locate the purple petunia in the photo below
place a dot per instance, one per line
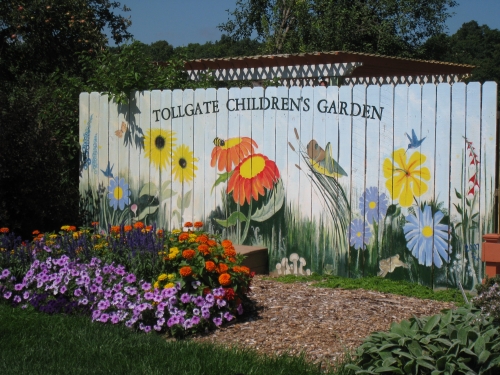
(217, 321)
(146, 286)
(104, 318)
(130, 278)
(185, 298)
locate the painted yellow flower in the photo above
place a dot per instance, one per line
(158, 147)
(405, 177)
(183, 166)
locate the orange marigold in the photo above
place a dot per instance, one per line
(188, 224)
(149, 228)
(237, 269)
(115, 229)
(210, 266)
(245, 269)
(222, 268)
(36, 232)
(4, 230)
(229, 251)
(159, 233)
(72, 228)
(226, 243)
(188, 254)
(204, 249)
(95, 223)
(185, 271)
(232, 260)
(211, 243)
(198, 224)
(183, 236)
(202, 239)
(225, 279)
(127, 228)
(139, 225)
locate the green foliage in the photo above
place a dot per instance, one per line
(377, 26)
(130, 68)
(460, 341)
(471, 44)
(379, 284)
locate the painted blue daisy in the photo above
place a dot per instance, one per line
(373, 205)
(426, 238)
(359, 233)
(119, 193)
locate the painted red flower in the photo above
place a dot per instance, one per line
(249, 179)
(229, 153)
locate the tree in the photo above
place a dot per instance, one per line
(471, 44)
(40, 80)
(392, 27)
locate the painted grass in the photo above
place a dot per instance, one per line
(379, 284)
(36, 343)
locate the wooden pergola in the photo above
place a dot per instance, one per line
(337, 67)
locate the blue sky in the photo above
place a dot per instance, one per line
(181, 22)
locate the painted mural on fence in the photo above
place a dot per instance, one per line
(395, 181)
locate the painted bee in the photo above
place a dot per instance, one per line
(219, 142)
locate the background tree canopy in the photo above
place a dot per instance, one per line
(52, 50)
(389, 27)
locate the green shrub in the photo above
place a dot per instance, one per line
(461, 341)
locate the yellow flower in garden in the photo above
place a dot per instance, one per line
(405, 177)
(176, 231)
(158, 147)
(52, 236)
(169, 285)
(156, 285)
(171, 276)
(162, 277)
(183, 166)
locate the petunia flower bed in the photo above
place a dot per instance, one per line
(179, 282)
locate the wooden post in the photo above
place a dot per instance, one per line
(491, 254)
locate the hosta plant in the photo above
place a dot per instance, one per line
(461, 341)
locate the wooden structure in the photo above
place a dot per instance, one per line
(337, 67)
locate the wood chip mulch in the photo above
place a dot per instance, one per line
(321, 322)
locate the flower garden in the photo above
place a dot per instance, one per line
(178, 282)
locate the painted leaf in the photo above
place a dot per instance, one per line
(223, 177)
(177, 215)
(167, 193)
(273, 204)
(147, 211)
(459, 196)
(165, 190)
(148, 189)
(187, 198)
(232, 219)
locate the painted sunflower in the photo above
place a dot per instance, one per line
(229, 153)
(183, 165)
(249, 179)
(158, 147)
